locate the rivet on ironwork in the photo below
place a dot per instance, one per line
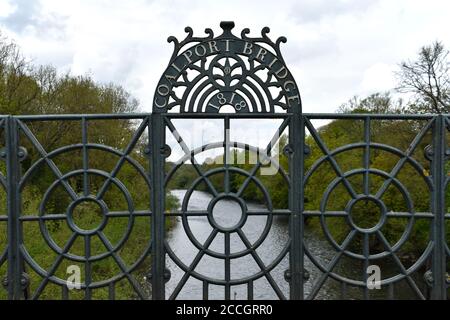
(428, 152)
(306, 274)
(3, 154)
(24, 280)
(447, 152)
(5, 282)
(288, 277)
(306, 150)
(167, 275)
(147, 150)
(22, 153)
(287, 150)
(166, 151)
(428, 277)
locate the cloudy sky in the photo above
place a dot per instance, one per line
(335, 49)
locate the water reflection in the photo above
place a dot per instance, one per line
(270, 252)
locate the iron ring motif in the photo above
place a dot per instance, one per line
(219, 255)
(111, 249)
(341, 249)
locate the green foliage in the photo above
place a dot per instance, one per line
(365, 214)
(29, 89)
(399, 134)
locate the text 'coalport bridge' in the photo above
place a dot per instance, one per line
(131, 253)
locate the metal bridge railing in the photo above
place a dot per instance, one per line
(57, 169)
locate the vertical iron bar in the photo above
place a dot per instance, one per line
(296, 140)
(391, 293)
(250, 290)
(87, 267)
(227, 266)
(84, 138)
(343, 291)
(226, 154)
(438, 206)
(13, 203)
(156, 139)
(65, 292)
(86, 192)
(205, 290)
(366, 155)
(366, 253)
(112, 291)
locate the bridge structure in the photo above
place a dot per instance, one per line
(225, 78)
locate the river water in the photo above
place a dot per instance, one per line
(268, 252)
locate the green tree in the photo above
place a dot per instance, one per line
(27, 89)
(427, 77)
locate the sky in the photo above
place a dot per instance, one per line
(335, 49)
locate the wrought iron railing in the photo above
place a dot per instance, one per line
(85, 210)
(49, 184)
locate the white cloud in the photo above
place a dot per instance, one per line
(335, 49)
(6, 8)
(332, 49)
(378, 77)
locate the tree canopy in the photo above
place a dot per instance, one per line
(428, 78)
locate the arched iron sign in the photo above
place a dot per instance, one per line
(247, 77)
(226, 70)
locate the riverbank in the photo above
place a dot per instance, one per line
(275, 242)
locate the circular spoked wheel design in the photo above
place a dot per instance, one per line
(360, 227)
(87, 217)
(361, 199)
(374, 228)
(220, 227)
(97, 230)
(97, 208)
(218, 221)
(234, 224)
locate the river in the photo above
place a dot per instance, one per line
(269, 250)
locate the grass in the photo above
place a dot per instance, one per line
(133, 246)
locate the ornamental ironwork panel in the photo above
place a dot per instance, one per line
(235, 248)
(363, 182)
(87, 221)
(247, 73)
(246, 76)
(91, 214)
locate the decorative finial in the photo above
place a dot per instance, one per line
(227, 26)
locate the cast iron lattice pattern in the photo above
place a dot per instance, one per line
(75, 189)
(368, 194)
(224, 78)
(226, 192)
